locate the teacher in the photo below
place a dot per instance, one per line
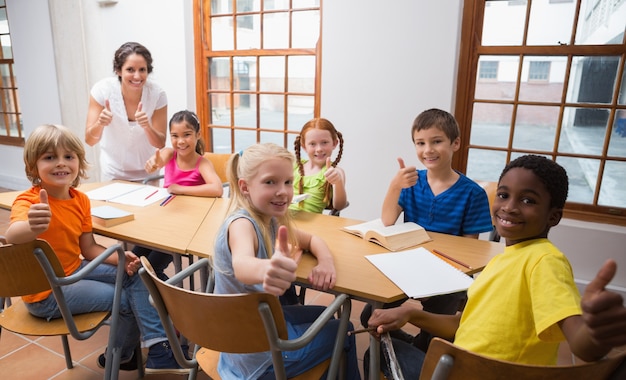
(127, 115)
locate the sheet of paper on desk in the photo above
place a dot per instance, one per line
(112, 190)
(419, 273)
(128, 194)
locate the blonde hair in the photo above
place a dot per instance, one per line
(245, 165)
(50, 137)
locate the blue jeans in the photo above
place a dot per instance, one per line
(298, 319)
(410, 359)
(95, 293)
(158, 260)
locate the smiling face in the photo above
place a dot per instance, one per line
(270, 189)
(184, 138)
(318, 145)
(134, 72)
(434, 149)
(522, 207)
(57, 171)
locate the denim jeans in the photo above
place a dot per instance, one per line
(95, 293)
(158, 260)
(410, 359)
(298, 319)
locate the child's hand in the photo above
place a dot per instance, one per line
(106, 115)
(141, 117)
(603, 310)
(333, 176)
(281, 271)
(155, 162)
(39, 214)
(133, 263)
(323, 276)
(406, 177)
(385, 320)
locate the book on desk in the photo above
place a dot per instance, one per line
(109, 216)
(395, 237)
(420, 273)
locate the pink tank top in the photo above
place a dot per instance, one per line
(173, 174)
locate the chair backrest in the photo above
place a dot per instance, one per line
(219, 322)
(20, 271)
(219, 161)
(491, 188)
(444, 360)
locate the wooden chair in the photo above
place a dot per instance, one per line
(236, 323)
(219, 161)
(491, 188)
(33, 267)
(444, 360)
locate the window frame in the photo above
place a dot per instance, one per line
(9, 99)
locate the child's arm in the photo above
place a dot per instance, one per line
(276, 274)
(39, 216)
(159, 159)
(337, 177)
(602, 325)
(90, 249)
(405, 178)
(441, 325)
(323, 276)
(212, 187)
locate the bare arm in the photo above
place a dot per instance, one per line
(337, 178)
(90, 249)
(323, 276)
(98, 117)
(404, 178)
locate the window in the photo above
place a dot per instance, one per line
(11, 132)
(488, 70)
(560, 92)
(257, 69)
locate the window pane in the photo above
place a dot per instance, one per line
(583, 176)
(550, 23)
(245, 116)
(545, 77)
(244, 139)
(272, 72)
(248, 5)
(592, 79)
(220, 74)
(601, 22)
(276, 31)
(583, 130)
(485, 165)
(7, 51)
(491, 124)
(272, 115)
(221, 140)
(617, 144)
(301, 74)
(535, 127)
(269, 5)
(300, 111)
(276, 138)
(305, 4)
(503, 86)
(222, 33)
(504, 15)
(621, 97)
(248, 32)
(306, 26)
(612, 191)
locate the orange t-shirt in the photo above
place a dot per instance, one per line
(70, 219)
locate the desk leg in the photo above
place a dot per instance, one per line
(375, 350)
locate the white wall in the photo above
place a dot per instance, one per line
(381, 67)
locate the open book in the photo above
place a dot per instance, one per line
(394, 237)
(128, 193)
(420, 273)
(109, 216)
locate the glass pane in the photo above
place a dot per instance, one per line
(276, 31)
(7, 52)
(272, 111)
(612, 188)
(500, 86)
(221, 7)
(221, 140)
(621, 97)
(583, 130)
(219, 68)
(583, 175)
(504, 15)
(550, 22)
(491, 124)
(601, 22)
(301, 70)
(485, 165)
(248, 32)
(617, 144)
(535, 127)
(305, 4)
(269, 5)
(542, 79)
(248, 5)
(8, 101)
(220, 110)
(222, 33)
(276, 138)
(305, 29)
(244, 116)
(244, 139)
(272, 74)
(592, 79)
(299, 112)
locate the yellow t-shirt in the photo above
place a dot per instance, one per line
(515, 304)
(70, 219)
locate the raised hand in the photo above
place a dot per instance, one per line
(603, 310)
(39, 214)
(333, 176)
(155, 162)
(406, 177)
(141, 117)
(282, 266)
(106, 115)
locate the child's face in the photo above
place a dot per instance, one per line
(184, 139)
(522, 207)
(58, 170)
(270, 190)
(134, 71)
(319, 145)
(434, 149)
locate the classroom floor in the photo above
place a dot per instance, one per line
(36, 358)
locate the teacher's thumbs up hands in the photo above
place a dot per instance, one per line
(405, 177)
(281, 271)
(141, 117)
(39, 214)
(106, 115)
(603, 310)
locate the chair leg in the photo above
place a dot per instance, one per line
(139, 358)
(66, 351)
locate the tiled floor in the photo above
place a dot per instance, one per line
(36, 358)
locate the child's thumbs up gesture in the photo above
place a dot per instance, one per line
(406, 177)
(155, 162)
(141, 117)
(281, 270)
(39, 214)
(333, 176)
(603, 310)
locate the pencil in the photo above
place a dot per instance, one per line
(358, 331)
(151, 194)
(168, 200)
(452, 259)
